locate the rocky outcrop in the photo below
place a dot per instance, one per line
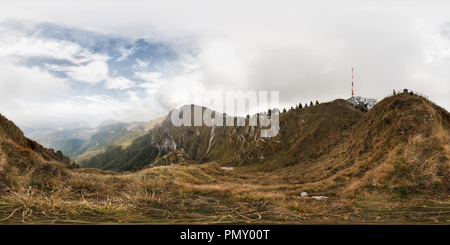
(174, 157)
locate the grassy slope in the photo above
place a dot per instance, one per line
(139, 154)
(203, 194)
(110, 135)
(400, 147)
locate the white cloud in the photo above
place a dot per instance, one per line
(223, 63)
(304, 49)
(18, 82)
(97, 99)
(149, 76)
(24, 46)
(125, 52)
(87, 67)
(90, 108)
(31, 47)
(120, 83)
(92, 72)
(23, 87)
(140, 64)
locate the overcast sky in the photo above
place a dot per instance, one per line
(97, 60)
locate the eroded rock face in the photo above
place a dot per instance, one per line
(169, 144)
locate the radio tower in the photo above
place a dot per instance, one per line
(353, 94)
(352, 84)
(359, 100)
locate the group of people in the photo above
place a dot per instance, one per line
(404, 91)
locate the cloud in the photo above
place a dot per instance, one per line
(28, 83)
(140, 64)
(303, 49)
(31, 47)
(22, 87)
(24, 46)
(120, 83)
(93, 72)
(88, 108)
(125, 52)
(98, 99)
(80, 64)
(148, 76)
(70, 79)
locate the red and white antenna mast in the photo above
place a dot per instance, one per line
(352, 84)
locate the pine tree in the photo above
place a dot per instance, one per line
(311, 104)
(317, 102)
(300, 106)
(306, 105)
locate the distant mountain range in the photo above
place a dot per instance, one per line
(80, 138)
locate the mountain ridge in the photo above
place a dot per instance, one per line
(328, 142)
(330, 162)
(214, 143)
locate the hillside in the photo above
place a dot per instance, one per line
(120, 146)
(109, 135)
(329, 142)
(23, 161)
(399, 146)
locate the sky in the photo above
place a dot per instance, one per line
(66, 61)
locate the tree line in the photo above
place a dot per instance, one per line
(300, 106)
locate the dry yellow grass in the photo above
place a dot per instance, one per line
(200, 193)
(195, 194)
